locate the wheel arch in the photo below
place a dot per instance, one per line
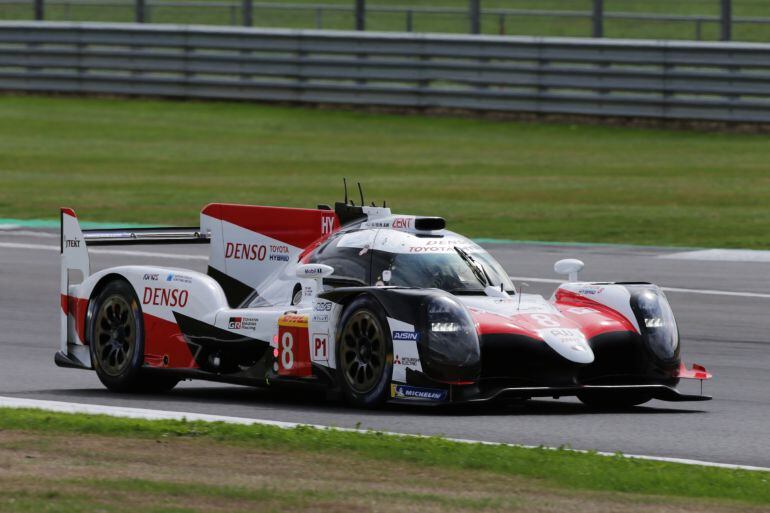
(97, 289)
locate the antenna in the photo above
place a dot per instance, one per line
(361, 192)
(522, 286)
(345, 183)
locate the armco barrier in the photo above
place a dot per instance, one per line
(604, 77)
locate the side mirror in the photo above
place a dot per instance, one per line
(569, 266)
(310, 271)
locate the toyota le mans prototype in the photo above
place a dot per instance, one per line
(369, 306)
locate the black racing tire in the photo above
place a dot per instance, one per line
(116, 340)
(612, 400)
(364, 353)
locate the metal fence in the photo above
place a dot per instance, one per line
(596, 18)
(604, 77)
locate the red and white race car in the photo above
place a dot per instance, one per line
(370, 305)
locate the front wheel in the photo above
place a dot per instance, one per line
(364, 354)
(117, 342)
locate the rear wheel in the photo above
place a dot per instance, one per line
(117, 342)
(364, 354)
(611, 400)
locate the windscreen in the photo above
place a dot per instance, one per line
(455, 272)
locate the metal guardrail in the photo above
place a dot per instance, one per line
(473, 18)
(604, 77)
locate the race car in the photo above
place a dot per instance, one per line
(367, 305)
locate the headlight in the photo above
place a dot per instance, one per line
(452, 345)
(656, 321)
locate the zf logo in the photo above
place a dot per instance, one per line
(327, 225)
(323, 307)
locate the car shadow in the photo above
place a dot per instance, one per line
(311, 401)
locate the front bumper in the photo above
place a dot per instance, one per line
(473, 394)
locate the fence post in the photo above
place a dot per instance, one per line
(598, 18)
(360, 14)
(139, 15)
(248, 13)
(727, 20)
(474, 8)
(39, 10)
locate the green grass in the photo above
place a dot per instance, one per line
(159, 162)
(455, 23)
(562, 468)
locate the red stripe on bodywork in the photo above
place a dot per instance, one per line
(599, 320)
(165, 345)
(78, 308)
(488, 323)
(605, 320)
(298, 227)
(69, 212)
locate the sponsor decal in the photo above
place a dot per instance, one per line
(71, 243)
(320, 318)
(586, 292)
(325, 306)
(312, 271)
(320, 346)
(165, 297)
(402, 223)
(242, 323)
(406, 335)
(444, 246)
(407, 392)
(293, 320)
(405, 360)
(150, 277)
(259, 252)
(181, 278)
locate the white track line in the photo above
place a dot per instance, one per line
(177, 256)
(706, 292)
(7, 230)
(147, 414)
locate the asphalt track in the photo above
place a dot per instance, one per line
(728, 333)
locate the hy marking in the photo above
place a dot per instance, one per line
(141, 413)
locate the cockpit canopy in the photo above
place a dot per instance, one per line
(441, 259)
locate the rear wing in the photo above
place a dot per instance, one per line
(75, 264)
(74, 243)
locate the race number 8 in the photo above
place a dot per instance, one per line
(287, 348)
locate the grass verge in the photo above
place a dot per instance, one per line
(540, 471)
(157, 162)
